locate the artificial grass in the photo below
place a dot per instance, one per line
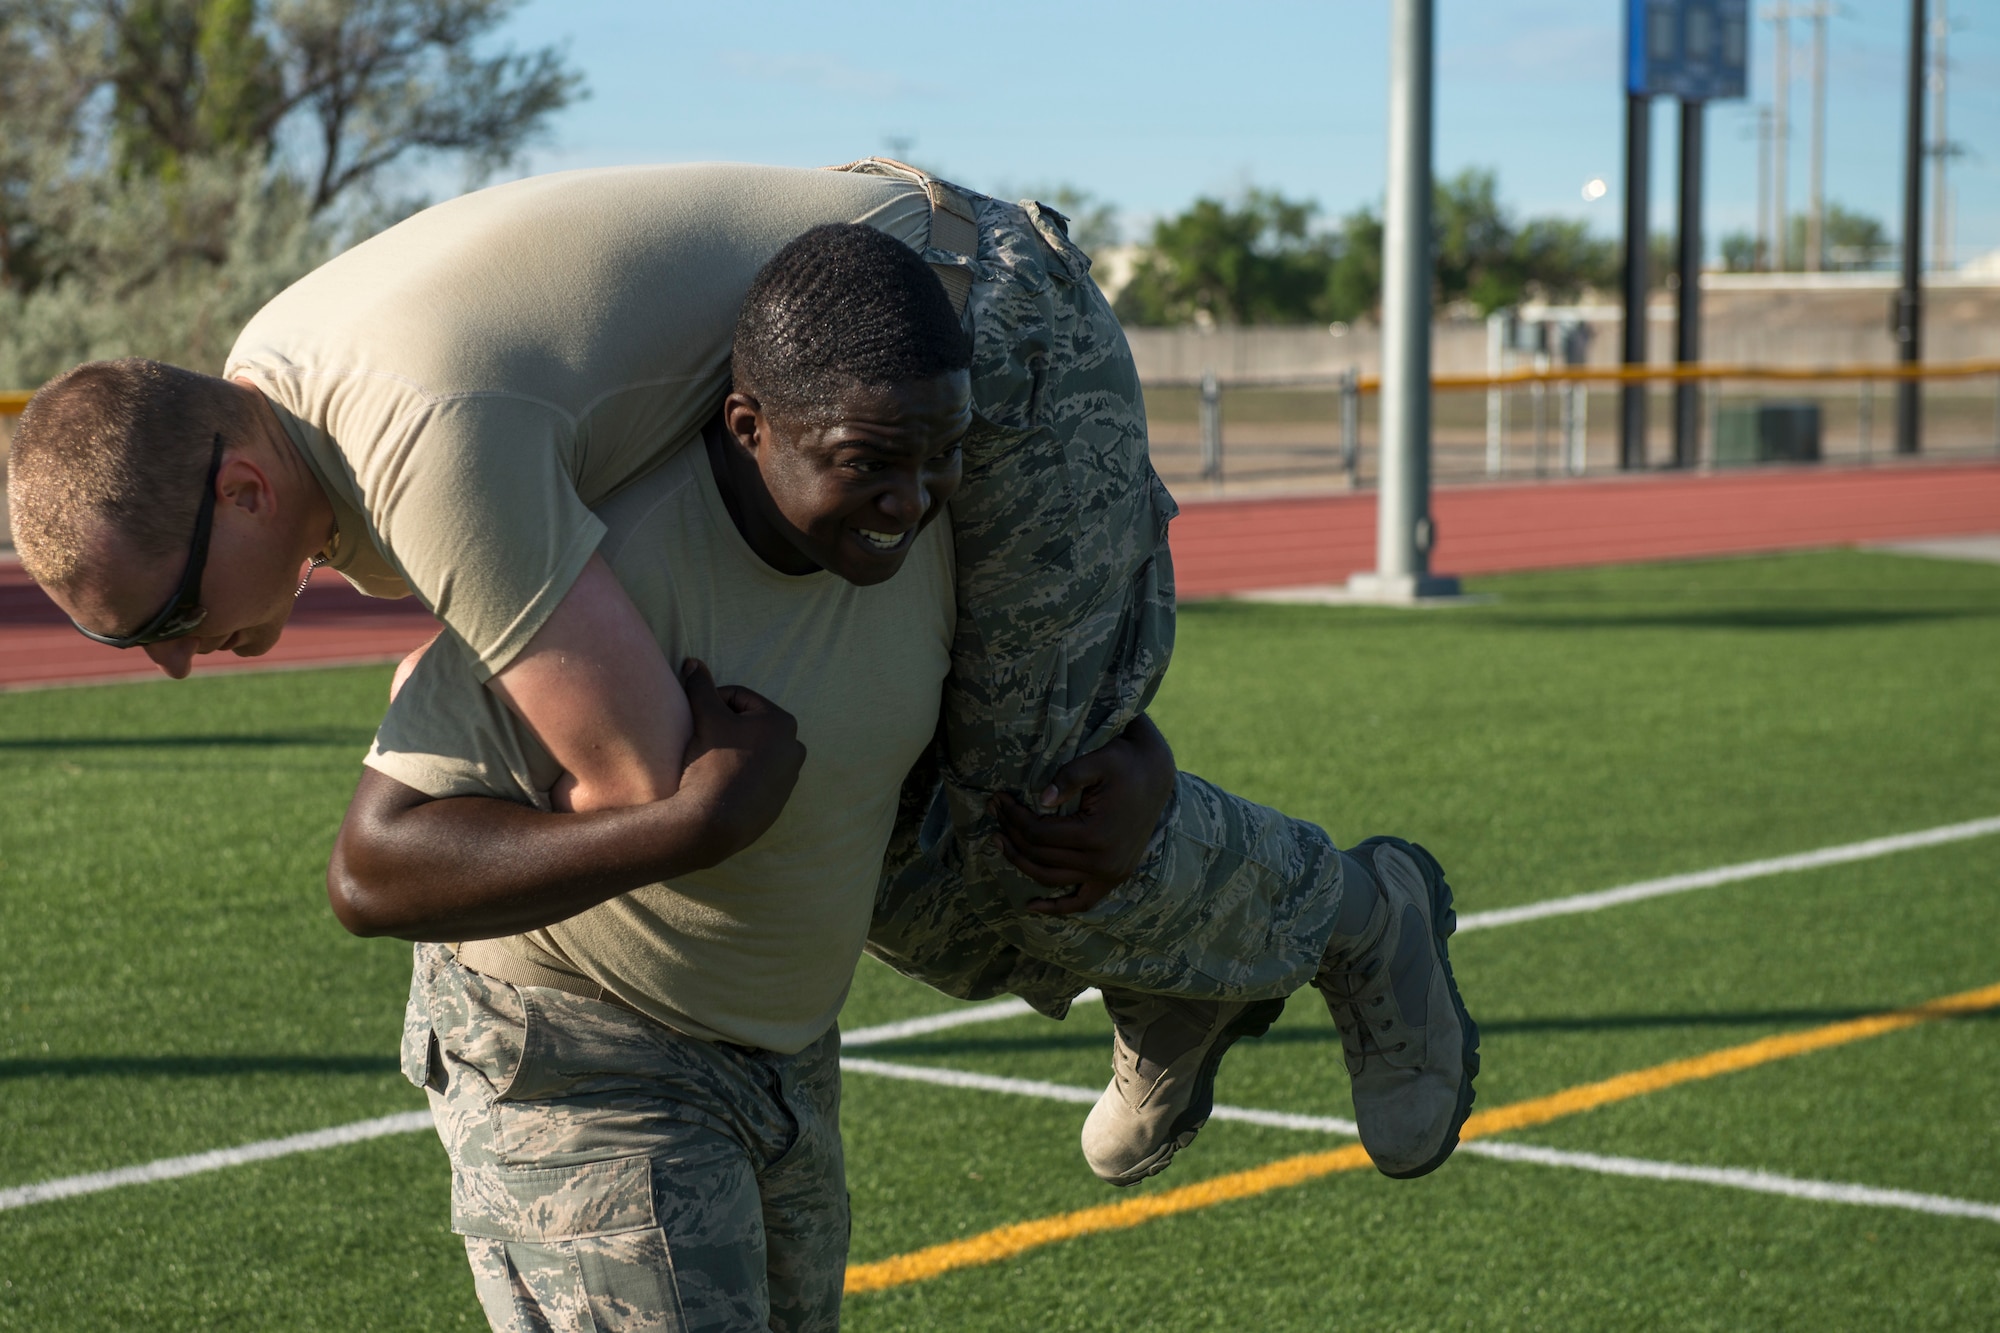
(176, 983)
(1602, 726)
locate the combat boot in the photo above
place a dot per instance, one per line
(1412, 1050)
(1162, 1087)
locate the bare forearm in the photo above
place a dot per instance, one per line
(473, 867)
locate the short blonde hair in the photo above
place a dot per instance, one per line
(117, 445)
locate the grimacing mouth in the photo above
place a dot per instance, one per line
(884, 541)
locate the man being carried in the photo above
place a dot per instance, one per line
(436, 410)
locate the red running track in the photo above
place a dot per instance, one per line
(332, 623)
(1225, 546)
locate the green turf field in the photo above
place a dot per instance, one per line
(174, 984)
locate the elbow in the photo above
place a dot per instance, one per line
(362, 903)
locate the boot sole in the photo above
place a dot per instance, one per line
(1253, 1022)
(1444, 922)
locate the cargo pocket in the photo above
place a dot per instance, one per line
(555, 1240)
(423, 1063)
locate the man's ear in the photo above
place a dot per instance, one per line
(243, 484)
(743, 418)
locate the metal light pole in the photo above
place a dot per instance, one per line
(1909, 311)
(1404, 533)
(1687, 315)
(1638, 167)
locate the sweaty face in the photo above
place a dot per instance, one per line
(850, 494)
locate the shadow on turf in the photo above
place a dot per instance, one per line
(1517, 611)
(1751, 618)
(1055, 1041)
(196, 1066)
(253, 741)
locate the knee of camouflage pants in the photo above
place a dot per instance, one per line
(923, 925)
(1233, 901)
(671, 1184)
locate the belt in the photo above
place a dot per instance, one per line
(954, 226)
(487, 958)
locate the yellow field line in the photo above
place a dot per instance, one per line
(1016, 1238)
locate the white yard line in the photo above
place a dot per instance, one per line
(1760, 1182)
(1731, 1177)
(170, 1168)
(1600, 899)
(1069, 1092)
(1594, 901)
(992, 1011)
(1728, 1177)
(963, 1078)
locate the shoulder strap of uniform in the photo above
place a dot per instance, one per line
(954, 226)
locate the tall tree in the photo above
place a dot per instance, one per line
(170, 164)
(1264, 261)
(1485, 260)
(1853, 240)
(1257, 262)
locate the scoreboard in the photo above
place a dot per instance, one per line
(1696, 50)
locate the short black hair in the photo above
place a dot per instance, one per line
(843, 305)
(116, 447)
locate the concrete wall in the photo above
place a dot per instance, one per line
(1747, 319)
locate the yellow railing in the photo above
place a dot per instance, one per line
(1694, 373)
(13, 400)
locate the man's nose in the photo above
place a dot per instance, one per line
(173, 656)
(907, 501)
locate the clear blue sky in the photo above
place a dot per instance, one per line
(1149, 105)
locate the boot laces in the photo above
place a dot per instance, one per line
(1358, 1003)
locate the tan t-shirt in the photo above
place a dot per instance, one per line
(467, 384)
(760, 949)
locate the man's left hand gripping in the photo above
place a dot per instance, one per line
(1120, 793)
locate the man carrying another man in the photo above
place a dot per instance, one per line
(393, 459)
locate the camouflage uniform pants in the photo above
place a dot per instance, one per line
(1065, 627)
(610, 1174)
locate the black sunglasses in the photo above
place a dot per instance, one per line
(185, 611)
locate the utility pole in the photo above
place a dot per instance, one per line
(1909, 310)
(1403, 530)
(1781, 133)
(1816, 206)
(1781, 16)
(1764, 254)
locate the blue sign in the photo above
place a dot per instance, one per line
(1696, 50)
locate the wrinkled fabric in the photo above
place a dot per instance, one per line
(610, 1174)
(1065, 628)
